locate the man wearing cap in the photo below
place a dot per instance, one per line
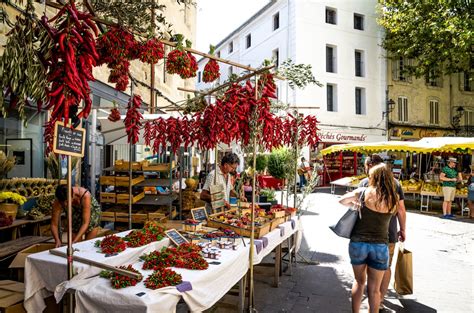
(449, 176)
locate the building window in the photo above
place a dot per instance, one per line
(360, 100)
(218, 54)
(399, 69)
(467, 82)
(199, 76)
(231, 71)
(358, 21)
(359, 63)
(276, 57)
(248, 41)
(231, 47)
(276, 21)
(434, 112)
(434, 79)
(468, 118)
(331, 59)
(402, 109)
(331, 98)
(331, 16)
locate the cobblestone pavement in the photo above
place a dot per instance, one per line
(443, 261)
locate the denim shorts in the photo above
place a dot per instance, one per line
(375, 255)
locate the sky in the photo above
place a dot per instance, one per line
(218, 18)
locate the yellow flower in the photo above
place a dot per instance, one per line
(8, 196)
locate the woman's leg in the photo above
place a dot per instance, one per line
(374, 280)
(92, 234)
(358, 286)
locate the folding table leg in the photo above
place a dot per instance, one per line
(276, 277)
(242, 291)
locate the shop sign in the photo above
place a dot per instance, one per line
(418, 133)
(69, 141)
(328, 136)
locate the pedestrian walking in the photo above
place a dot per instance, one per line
(303, 172)
(393, 233)
(368, 247)
(470, 194)
(449, 176)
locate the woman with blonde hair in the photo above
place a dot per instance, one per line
(368, 247)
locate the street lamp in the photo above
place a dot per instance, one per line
(390, 105)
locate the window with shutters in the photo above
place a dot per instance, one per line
(231, 71)
(199, 76)
(468, 118)
(331, 59)
(467, 81)
(434, 78)
(276, 21)
(358, 21)
(359, 63)
(248, 41)
(434, 112)
(402, 109)
(331, 97)
(399, 70)
(231, 47)
(331, 16)
(218, 54)
(359, 101)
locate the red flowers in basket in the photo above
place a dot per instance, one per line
(120, 281)
(163, 278)
(111, 244)
(151, 51)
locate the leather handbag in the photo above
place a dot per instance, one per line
(346, 223)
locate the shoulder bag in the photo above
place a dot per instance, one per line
(346, 223)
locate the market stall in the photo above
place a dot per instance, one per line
(426, 186)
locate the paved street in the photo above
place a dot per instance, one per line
(442, 259)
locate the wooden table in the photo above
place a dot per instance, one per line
(14, 246)
(23, 222)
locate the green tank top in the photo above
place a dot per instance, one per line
(372, 227)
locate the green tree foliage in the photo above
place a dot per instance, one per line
(261, 162)
(436, 34)
(279, 163)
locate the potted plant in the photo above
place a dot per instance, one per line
(9, 202)
(269, 195)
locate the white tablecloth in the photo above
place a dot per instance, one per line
(46, 273)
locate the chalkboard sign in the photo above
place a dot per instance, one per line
(199, 214)
(175, 237)
(69, 141)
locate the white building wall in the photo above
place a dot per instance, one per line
(303, 36)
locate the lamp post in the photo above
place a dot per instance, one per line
(390, 104)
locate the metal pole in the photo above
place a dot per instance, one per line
(252, 211)
(70, 272)
(93, 150)
(130, 174)
(171, 185)
(181, 171)
(296, 158)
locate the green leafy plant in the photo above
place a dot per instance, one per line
(298, 75)
(278, 163)
(12, 197)
(261, 162)
(269, 193)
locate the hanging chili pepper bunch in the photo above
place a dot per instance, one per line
(211, 71)
(111, 244)
(309, 131)
(114, 115)
(116, 48)
(69, 68)
(149, 132)
(133, 119)
(181, 62)
(163, 278)
(121, 281)
(151, 51)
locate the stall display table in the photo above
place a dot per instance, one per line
(343, 182)
(17, 224)
(47, 274)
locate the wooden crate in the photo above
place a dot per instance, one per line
(107, 180)
(161, 167)
(121, 217)
(277, 222)
(279, 214)
(121, 165)
(158, 217)
(124, 180)
(122, 198)
(108, 197)
(260, 231)
(107, 216)
(139, 217)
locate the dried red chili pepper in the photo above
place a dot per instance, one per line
(151, 51)
(133, 119)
